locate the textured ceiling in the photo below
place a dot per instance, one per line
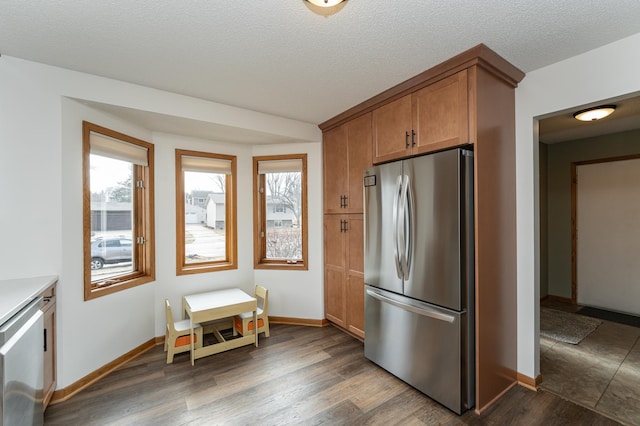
(278, 57)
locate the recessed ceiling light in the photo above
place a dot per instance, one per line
(595, 113)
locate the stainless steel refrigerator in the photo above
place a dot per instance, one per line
(419, 274)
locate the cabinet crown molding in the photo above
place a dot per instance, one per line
(480, 56)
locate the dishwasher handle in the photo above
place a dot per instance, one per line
(424, 311)
(16, 322)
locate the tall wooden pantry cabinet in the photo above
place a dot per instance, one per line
(346, 153)
(469, 101)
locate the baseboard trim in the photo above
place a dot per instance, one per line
(529, 382)
(557, 298)
(299, 321)
(60, 395)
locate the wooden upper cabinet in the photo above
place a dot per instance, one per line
(359, 131)
(392, 130)
(334, 151)
(441, 114)
(432, 118)
(346, 152)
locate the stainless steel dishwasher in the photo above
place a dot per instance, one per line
(21, 367)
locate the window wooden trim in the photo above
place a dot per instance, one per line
(231, 237)
(259, 217)
(144, 225)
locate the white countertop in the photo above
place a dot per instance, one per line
(17, 293)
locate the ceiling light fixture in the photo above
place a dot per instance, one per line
(324, 7)
(325, 3)
(595, 113)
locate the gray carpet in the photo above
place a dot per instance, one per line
(566, 327)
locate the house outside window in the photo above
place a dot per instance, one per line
(206, 238)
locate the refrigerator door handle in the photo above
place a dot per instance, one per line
(401, 242)
(408, 229)
(405, 235)
(396, 224)
(424, 311)
(402, 225)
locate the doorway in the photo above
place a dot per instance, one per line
(595, 371)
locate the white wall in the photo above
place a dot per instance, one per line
(93, 333)
(300, 294)
(170, 286)
(603, 73)
(41, 213)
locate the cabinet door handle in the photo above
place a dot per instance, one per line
(345, 226)
(345, 202)
(413, 137)
(406, 139)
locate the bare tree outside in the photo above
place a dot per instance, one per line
(285, 241)
(219, 181)
(286, 188)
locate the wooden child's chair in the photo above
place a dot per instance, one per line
(243, 323)
(177, 338)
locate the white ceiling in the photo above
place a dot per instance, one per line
(279, 58)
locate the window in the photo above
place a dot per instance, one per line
(117, 211)
(206, 237)
(280, 211)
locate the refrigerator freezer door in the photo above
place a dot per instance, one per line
(436, 274)
(382, 251)
(421, 344)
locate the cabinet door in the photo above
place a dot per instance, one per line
(49, 351)
(334, 150)
(441, 114)
(355, 275)
(392, 130)
(335, 262)
(359, 148)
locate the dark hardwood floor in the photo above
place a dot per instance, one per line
(300, 375)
